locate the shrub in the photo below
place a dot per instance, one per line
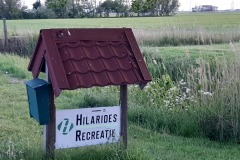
(22, 45)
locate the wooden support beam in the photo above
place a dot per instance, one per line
(124, 114)
(50, 129)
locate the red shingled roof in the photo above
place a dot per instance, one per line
(82, 58)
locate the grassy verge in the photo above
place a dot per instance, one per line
(165, 108)
(14, 66)
(21, 137)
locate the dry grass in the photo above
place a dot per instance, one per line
(220, 103)
(175, 36)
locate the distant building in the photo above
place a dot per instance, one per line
(204, 8)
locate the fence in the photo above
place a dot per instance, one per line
(20, 45)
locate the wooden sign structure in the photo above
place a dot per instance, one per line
(50, 129)
(83, 58)
(87, 126)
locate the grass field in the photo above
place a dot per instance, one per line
(21, 136)
(182, 29)
(202, 20)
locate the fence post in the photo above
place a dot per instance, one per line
(5, 45)
(50, 129)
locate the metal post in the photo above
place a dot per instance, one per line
(5, 35)
(50, 129)
(124, 114)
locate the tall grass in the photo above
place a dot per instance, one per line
(200, 99)
(20, 44)
(220, 120)
(175, 36)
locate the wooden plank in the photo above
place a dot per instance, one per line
(50, 129)
(38, 63)
(124, 114)
(137, 53)
(89, 34)
(32, 60)
(55, 65)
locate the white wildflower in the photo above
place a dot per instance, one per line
(173, 89)
(154, 61)
(207, 93)
(181, 82)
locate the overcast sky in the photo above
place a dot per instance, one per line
(186, 5)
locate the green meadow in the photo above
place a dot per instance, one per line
(190, 110)
(204, 20)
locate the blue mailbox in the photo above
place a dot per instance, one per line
(38, 91)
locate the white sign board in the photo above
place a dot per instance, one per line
(87, 126)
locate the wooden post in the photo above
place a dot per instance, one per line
(50, 129)
(5, 35)
(124, 114)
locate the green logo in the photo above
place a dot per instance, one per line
(65, 127)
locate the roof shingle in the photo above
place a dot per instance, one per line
(82, 58)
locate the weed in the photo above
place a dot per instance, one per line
(14, 66)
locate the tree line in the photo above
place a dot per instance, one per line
(14, 9)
